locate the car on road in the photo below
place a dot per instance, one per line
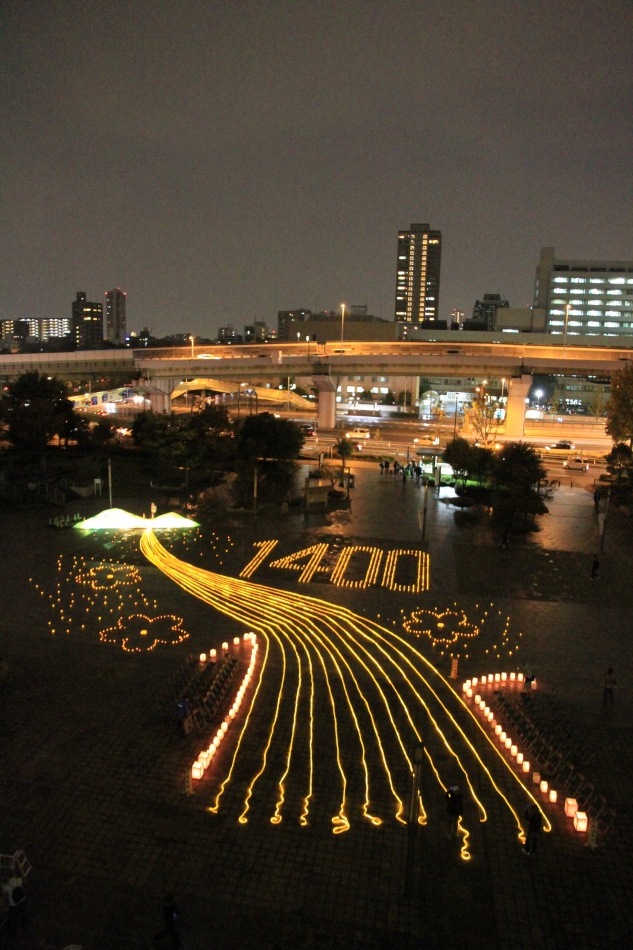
(306, 428)
(576, 464)
(428, 438)
(358, 433)
(564, 445)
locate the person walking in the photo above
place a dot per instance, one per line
(595, 568)
(609, 687)
(534, 821)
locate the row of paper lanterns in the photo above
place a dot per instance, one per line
(204, 758)
(580, 819)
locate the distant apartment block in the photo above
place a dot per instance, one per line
(87, 319)
(485, 310)
(585, 297)
(116, 326)
(418, 275)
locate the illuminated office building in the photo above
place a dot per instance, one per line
(418, 275)
(583, 297)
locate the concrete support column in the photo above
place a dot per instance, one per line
(326, 409)
(518, 388)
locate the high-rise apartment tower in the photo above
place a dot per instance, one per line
(418, 275)
(115, 317)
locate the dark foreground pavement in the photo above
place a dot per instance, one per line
(92, 768)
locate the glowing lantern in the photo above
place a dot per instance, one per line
(203, 657)
(526, 765)
(247, 636)
(514, 750)
(213, 653)
(581, 822)
(520, 677)
(497, 677)
(197, 770)
(477, 698)
(469, 693)
(508, 743)
(504, 677)
(502, 737)
(512, 676)
(536, 777)
(236, 641)
(498, 730)
(553, 795)
(519, 758)
(543, 786)
(571, 807)
(484, 680)
(225, 646)
(475, 680)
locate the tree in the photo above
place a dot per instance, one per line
(483, 417)
(458, 454)
(620, 461)
(36, 408)
(518, 473)
(264, 436)
(620, 406)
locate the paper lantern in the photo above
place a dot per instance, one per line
(581, 822)
(504, 677)
(543, 786)
(571, 807)
(498, 730)
(469, 693)
(236, 641)
(513, 676)
(502, 736)
(514, 749)
(526, 765)
(203, 657)
(508, 744)
(520, 677)
(553, 795)
(225, 645)
(497, 677)
(197, 770)
(536, 777)
(519, 758)
(213, 653)
(484, 680)
(475, 680)
(467, 685)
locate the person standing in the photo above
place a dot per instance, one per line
(595, 568)
(534, 821)
(454, 808)
(609, 687)
(171, 922)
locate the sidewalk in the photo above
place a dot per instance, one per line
(92, 769)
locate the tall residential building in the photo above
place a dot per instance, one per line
(288, 321)
(87, 323)
(418, 275)
(583, 297)
(115, 317)
(485, 311)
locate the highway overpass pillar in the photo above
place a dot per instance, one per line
(326, 410)
(518, 389)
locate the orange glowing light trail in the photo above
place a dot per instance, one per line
(338, 638)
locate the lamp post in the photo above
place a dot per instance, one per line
(342, 322)
(308, 342)
(192, 338)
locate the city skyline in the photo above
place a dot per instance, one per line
(247, 159)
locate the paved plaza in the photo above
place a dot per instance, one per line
(93, 767)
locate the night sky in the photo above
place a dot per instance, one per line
(220, 161)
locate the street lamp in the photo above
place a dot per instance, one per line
(308, 342)
(192, 338)
(342, 322)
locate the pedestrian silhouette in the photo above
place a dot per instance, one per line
(534, 821)
(595, 568)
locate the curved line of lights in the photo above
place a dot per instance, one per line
(329, 630)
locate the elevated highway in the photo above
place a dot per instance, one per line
(446, 354)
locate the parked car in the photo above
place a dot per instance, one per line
(564, 445)
(576, 464)
(358, 434)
